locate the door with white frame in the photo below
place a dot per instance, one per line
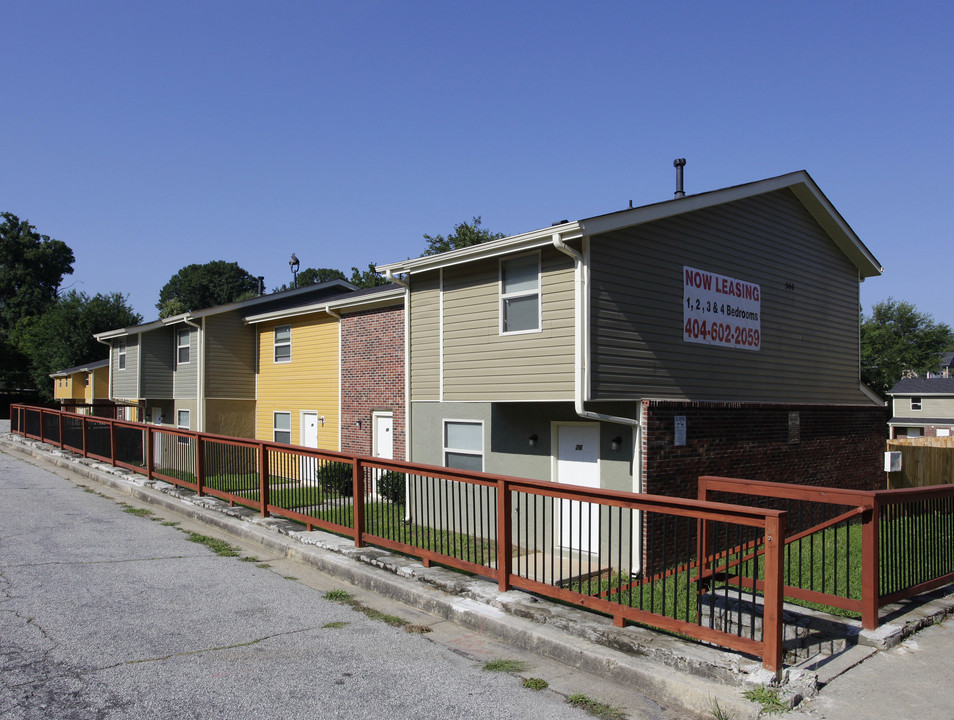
(382, 442)
(309, 438)
(577, 462)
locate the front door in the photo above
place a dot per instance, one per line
(577, 463)
(309, 438)
(382, 437)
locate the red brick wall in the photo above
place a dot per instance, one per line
(840, 446)
(372, 376)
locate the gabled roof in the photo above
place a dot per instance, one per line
(365, 299)
(800, 183)
(923, 386)
(88, 367)
(283, 299)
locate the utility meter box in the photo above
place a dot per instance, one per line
(892, 461)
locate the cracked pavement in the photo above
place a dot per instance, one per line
(107, 614)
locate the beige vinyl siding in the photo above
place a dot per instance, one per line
(158, 354)
(229, 357)
(931, 407)
(125, 383)
(425, 337)
(480, 363)
(185, 379)
(809, 333)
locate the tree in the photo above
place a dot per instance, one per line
(32, 267)
(464, 235)
(367, 279)
(897, 340)
(196, 287)
(312, 276)
(62, 337)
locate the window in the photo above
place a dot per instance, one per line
(283, 343)
(182, 423)
(281, 427)
(916, 403)
(520, 294)
(464, 445)
(182, 346)
(121, 354)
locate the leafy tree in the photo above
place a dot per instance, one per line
(312, 276)
(62, 337)
(367, 279)
(897, 340)
(32, 267)
(196, 287)
(464, 235)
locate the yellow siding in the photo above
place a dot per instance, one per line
(61, 388)
(309, 382)
(101, 383)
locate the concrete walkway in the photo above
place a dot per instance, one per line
(673, 672)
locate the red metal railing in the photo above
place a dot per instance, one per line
(852, 549)
(634, 557)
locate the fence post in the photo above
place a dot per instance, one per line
(42, 425)
(150, 453)
(870, 565)
(199, 465)
(504, 536)
(83, 431)
(112, 442)
(772, 622)
(263, 478)
(702, 545)
(357, 501)
(61, 425)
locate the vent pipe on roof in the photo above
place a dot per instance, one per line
(261, 284)
(679, 164)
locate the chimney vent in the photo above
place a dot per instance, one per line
(679, 164)
(261, 284)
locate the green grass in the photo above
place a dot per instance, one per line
(769, 698)
(219, 547)
(535, 684)
(514, 666)
(596, 708)
(344, 597)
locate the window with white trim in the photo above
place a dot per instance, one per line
(464, 445)
(281, 427)
(283, 343)
(520, 294)
(915, 403)
(182, 423)
(121, 355)
(183, 346)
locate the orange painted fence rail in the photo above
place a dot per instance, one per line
(671, 563)
(852, 549)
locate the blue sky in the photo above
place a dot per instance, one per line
(149, 136)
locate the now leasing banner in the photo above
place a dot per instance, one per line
(719, 310)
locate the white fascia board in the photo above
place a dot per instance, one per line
(483, 251)
(365, 302)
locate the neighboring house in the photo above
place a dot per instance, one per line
(331, 373)
(946, 369)
(714, 333)
(82, 385)
(922, 407)
(198, 370)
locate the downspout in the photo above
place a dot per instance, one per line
(200, 375)
(582, 333)
(337, 316)
(407, 363)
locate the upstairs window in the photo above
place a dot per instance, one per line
(121, 354)
(183, 348)
(520, 294)
(464, 445)
(915, 403)
(283, 343)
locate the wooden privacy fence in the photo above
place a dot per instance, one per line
(924, 461)
(850, 549)
(578, 545)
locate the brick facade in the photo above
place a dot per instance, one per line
(372, 377)
(833, 445)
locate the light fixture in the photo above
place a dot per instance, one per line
(616, 442)
(358, 424)
(533, 440)
(294, 265)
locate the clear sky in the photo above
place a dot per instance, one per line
(149, 136)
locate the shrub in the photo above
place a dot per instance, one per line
(391, 487)
(336, 477)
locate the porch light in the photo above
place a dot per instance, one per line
(533, 440)
(358, 424)
(616, 442)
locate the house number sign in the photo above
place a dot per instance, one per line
(719, 310)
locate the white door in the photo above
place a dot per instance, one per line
(578, 452)
(309, 438)
(382, 437)
(156, 437)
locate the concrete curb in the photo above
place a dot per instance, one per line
(688, 675)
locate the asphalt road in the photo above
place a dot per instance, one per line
(107, 613)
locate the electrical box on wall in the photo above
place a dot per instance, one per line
(892, 461)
